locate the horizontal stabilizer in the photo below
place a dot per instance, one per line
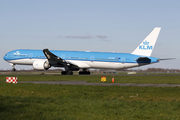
(166, 59)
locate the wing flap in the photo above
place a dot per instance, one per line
(80, 64)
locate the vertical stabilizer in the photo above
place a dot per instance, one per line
(147, 45)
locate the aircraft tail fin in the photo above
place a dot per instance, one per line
(147, 45)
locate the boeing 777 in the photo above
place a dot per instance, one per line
(83, 60)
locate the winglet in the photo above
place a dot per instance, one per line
(147, 45)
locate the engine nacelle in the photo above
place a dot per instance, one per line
(41, 65)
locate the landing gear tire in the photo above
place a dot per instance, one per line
(66, 73)
(84, 73)
(13, 69)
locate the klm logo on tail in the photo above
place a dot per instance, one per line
(145, 46)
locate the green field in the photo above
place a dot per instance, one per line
(143, 79)
(38, 101)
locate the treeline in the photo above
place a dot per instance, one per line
(163, 70)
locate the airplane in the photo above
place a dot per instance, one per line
(83, 60)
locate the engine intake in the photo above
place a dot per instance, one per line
(41, 65)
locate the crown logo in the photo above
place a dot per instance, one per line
(17, 53)
(145, 43)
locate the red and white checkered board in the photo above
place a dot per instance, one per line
(11, 79)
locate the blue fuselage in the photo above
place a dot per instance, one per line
(80, 59)
(77, 55)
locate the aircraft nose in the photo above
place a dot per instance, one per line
(5, 57)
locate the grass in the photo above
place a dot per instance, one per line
(42, 101)
(144, 79)
(37, 101)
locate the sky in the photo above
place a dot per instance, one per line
(90, 25)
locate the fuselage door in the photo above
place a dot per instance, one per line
(92, 58)
(123, 59)
(30, 56)
(11, 55)
(63, 56)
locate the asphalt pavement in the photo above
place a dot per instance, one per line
(99, 84)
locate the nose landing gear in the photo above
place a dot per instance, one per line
(13, 67)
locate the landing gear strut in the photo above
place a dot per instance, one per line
(66, 73)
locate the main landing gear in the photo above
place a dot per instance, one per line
(84, 72)
(66, 73)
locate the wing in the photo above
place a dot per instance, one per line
(59, 62)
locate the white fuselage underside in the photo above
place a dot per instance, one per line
(90, 64)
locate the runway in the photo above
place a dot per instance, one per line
(99, 84)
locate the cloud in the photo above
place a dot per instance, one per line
(80, 37)
(59, 36)
(101, 36)
(105, 40)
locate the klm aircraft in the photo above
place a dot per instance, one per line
(82, 60)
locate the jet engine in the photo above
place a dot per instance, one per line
(41, 65)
